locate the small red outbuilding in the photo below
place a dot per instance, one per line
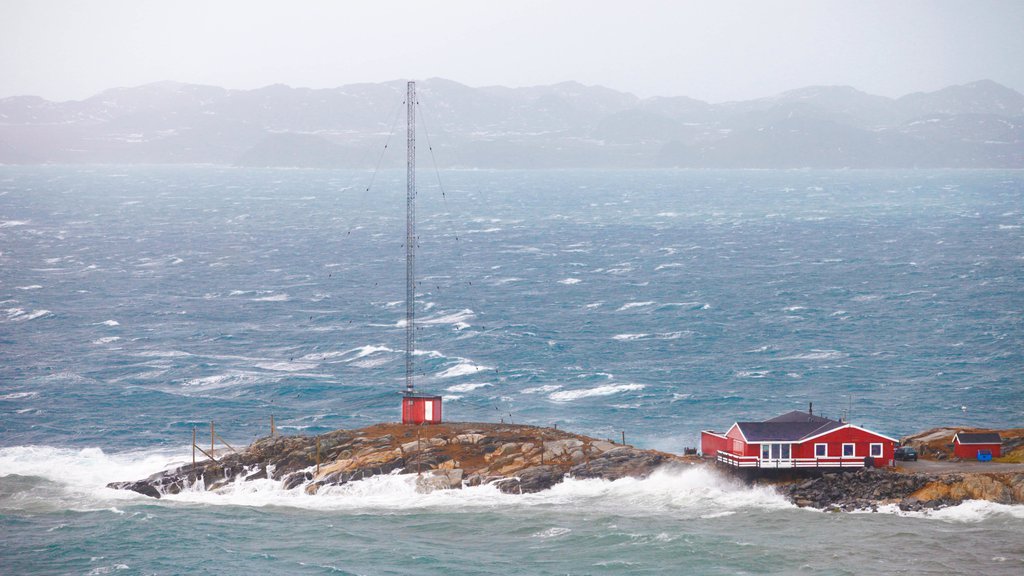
(421, 409)
(967, 444)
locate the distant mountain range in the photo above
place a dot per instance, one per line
(568, 125)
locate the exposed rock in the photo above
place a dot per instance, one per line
(867, 488)
(531, 480)
(517, 458)
(141, 486)
(620, 462)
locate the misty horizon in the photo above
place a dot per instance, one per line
(565, 125)
(400, 82)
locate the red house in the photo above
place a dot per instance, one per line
(421, 409)
(798, 440)
(966, 445)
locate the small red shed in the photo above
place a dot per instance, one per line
(967, 444)
(421, 409)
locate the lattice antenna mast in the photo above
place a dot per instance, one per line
(410, 237)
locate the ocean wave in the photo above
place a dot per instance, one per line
(286, 366)
(644, 336)
(219, 381)
(753, 373)
(272, 298)
(457, 318)
(20, 315)
(605, 390)
(632, 305)
(468, 387)
(541, 389)
(77, 479)
(817, 355)
(18, 395)
(463, 368)
(570, 281)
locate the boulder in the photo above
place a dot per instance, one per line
(618, 463)
(531, 480)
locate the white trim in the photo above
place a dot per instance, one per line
(871, 450)
(825, 455)
(742, 435)
(845, 427)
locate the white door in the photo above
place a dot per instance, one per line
(428, 410)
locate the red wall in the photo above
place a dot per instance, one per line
(414, 409)
(835, 440)
(710, 444)
(970, 451)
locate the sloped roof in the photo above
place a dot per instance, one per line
(978, 438)
(790, 427)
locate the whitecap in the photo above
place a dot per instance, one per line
(818, 355)
(32, 287)
(106, 340)
(20, 315)
(272, 298)
(467, 387)
(552, 532)
(753, 373)
(631, 305)
(541, 389)
(286, 366)
(630, 337)
(18, 395)
(569, 281)
(110, 323)
(13, 223)
(463, 368)
(605, 390)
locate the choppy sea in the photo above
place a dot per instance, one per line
(138, 303)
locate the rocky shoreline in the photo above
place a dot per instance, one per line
(516, 458)
(867, 489)
(522, 459)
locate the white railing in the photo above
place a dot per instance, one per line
(755, 462)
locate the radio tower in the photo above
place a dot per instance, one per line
(410, 237)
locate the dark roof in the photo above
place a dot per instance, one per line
(790, 427)
(978, 438)
(798, 416)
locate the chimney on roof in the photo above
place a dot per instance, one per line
(810, 408)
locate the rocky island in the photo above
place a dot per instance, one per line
(516, 458)
(522, 459)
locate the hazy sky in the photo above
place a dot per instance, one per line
(711, 50)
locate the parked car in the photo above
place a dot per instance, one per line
(984, 455)
(905, 453)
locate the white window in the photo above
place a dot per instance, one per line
(876, 450)
(785, 451)
(821, 450)
(764, 451)
(849, 450)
